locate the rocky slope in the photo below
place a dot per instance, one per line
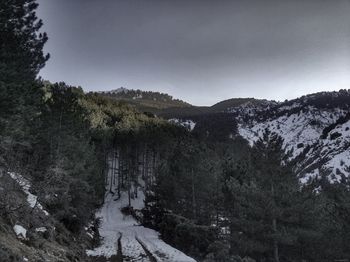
(33, 234)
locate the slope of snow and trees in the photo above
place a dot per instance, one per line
(315, 127)
(103, 177)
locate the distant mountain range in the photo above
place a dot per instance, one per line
(315, 127)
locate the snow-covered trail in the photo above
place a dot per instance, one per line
(137, 242)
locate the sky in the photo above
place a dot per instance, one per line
(201, 51)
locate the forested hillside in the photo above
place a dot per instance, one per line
(145, 100)
(88, 177)
(54, 142)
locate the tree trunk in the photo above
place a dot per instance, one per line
(111, 172)
(122, 171)
(119, 173)
(129, 185)
(146, 171)
(274, 228)
(59, 133)
(217, 199)
(106, 167)
(193, 196)
(114, 167)
(275, 243)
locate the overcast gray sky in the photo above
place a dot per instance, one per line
(201, 51)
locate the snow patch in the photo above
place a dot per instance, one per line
(20, 231)
(138, 96)
(25, 185)
(41, 229)
(119, 90)
(187, 123)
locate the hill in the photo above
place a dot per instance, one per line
(145, 100)
(315, 127)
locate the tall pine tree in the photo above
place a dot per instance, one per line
(266, 207)
(21, 58)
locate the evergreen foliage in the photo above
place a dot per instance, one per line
(21, 54)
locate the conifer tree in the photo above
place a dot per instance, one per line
(267, 211)
(279, 187)
(21, 42)
(21, 58)
(334, 219)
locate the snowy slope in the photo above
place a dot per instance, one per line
(123, 236)
(301, 123)
(26, 185)
(296, 128)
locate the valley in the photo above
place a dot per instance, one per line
(129, 175)
(164, 183)
(123, 236)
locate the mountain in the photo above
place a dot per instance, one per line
(315, 128)
(145, 100)
(168, 107)
(195, 111)
(112, 183)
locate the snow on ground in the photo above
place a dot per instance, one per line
(338, 150)
(25, 185)
(303, 129)
(187, 123)
(41, 229)
(134, 238)
(119, 90)
(20, 231)
(297, 128)
(339, 162)
(309, 176)
(190, 124)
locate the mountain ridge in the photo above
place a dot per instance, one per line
(315, 127)
(144, 100)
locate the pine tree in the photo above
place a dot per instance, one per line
(333, 222)
(272, 179)
(22, 44)
(267, 209)
(21, 58)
